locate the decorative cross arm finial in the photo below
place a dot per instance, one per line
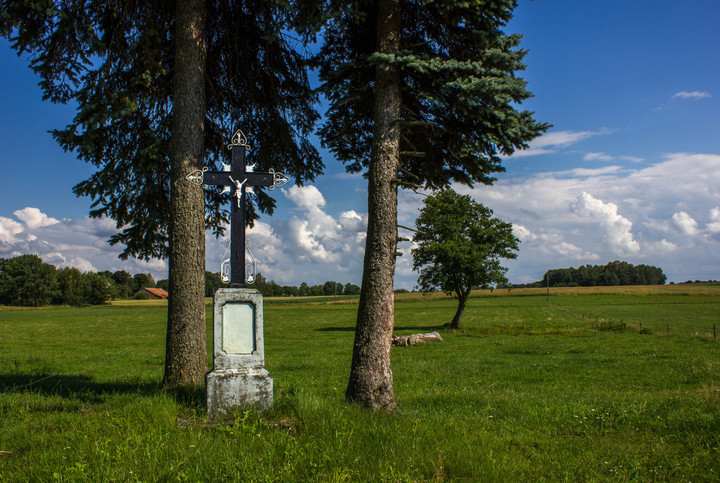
(197, 176)
(279, 179)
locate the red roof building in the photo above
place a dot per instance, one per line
(155, 293)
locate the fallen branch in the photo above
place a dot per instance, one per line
(415, 339)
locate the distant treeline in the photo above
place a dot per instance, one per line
(696, 281)
(27, 281)
(213, 281)
(614, 273)
(272, 289)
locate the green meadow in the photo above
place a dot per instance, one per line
(584, 384)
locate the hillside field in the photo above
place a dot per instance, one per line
(601, 384)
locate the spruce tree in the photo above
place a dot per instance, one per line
(160, 87)
(422, 94)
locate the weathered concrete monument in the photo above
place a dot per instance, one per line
(238, 378)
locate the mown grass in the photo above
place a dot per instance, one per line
(529, 390)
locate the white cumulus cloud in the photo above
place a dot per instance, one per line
(618, 229)
(630, 220)
(34, 218)
(685, 223)
(714, 225)
(305, 197)
(663, 247)
(352, 222)
(78, 243)
(311, 241)
(573, 252)
(9, 229)
(523, 234)
(312, 246)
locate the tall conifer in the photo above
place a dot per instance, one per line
(153, 104)
(453, 68)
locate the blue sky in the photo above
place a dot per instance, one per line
(629, 171)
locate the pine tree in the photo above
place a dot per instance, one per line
(429, 91)
(159, 91)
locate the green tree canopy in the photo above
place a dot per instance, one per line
(124, 283)
(25, 280)
(460, 245)
(613, 273)
(143, 280)
(351, 289)
(115, 60)
(70, 286)
(96, 289)
(459, 91)
(213, 281)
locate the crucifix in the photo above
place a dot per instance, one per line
(238, 177)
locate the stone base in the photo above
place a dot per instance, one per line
(238, 389)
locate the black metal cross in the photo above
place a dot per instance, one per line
(238, 178)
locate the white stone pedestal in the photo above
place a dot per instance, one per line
(238, 379)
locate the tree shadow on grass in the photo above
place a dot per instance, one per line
(84, 388)
(188, 396)
(424, 328)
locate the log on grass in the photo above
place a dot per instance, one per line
(415, 339)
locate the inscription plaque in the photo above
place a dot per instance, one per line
(238, 328)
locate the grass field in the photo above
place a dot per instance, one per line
(586, 384)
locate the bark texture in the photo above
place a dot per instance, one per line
(186, 349)
(371, 380)
(462, 296)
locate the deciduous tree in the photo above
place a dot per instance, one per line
(95, 288)
(460, 245)
(213, 281)
(143, 280)
(124, 283)
(25, 280)
(70, 286)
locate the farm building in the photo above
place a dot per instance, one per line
(154, 293)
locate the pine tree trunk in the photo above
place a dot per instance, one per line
(462, 298)
(371, 381)
(186, 349)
